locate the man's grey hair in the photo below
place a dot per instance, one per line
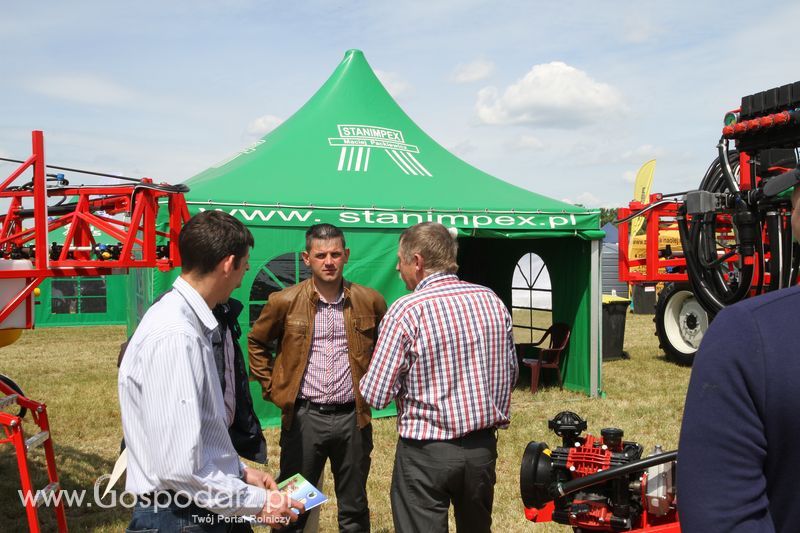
(437, 246)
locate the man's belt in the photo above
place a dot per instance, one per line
(467, 438)
(327, 408)
(165, 498)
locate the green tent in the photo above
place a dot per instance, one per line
(353, 158)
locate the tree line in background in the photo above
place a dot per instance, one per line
(607, 214)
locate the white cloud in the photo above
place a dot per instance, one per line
(642, 153)
(638, 29)
(85, 89)
(629, 176)
(477, 70)
(393, 83)
(586, 199)
(263, 125)
(527, 143)
(552, 95)
(463, 148)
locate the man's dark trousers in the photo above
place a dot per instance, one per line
(320, 432)
(429, 475)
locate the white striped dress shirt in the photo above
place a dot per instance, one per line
(173, 412)
(446, 353)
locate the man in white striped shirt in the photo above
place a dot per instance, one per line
(446, 354)
(181, 462)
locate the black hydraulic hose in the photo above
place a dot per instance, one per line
(701, 291)
(725, 165)
(745, 282)
(787, 276)
(721, 259)
(724, 293)
(714, 180)
(562, 489)
(761, 264)
(89, 172)
(775, 251)
(640, 212)
(62, 209)
(706, 248)
(795, 263)
(707, 271)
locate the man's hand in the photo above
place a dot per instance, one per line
(259, 478)
(280, 510)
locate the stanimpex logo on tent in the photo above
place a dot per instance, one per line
(357, 142)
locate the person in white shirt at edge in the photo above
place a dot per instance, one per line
(181, 463)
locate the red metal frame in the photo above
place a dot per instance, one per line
(659, 218)
(668, 524)
(137, 236)
(92, 208)
(655, 265)
(15, 435)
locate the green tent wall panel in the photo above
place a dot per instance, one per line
(82, 306)
(351, 156)
(81, 314)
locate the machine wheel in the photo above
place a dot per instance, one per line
(680, 321)
(8, 381)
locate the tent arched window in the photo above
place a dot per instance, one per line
(532, 301)
(275, 275)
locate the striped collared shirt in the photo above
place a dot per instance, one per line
(328, 378)
(446, 354)
(173, 412)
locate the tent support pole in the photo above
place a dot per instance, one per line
(596, 332)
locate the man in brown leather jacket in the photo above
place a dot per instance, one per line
(324, 330)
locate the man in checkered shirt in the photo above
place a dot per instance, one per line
(446, 355)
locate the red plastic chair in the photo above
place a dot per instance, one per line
(536, 357)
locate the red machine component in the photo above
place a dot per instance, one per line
(32, 259)
(15, 435)
(727, 240)
(91, 210)
(740, 129)
(598, 484)
(589, 458)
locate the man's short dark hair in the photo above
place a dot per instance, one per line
(323, 232)
(208, 238)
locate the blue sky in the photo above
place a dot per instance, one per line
(564, 98)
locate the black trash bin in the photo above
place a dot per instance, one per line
(615, 310)
(644, 299)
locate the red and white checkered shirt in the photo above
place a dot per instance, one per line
(446, 354)
(328, 378)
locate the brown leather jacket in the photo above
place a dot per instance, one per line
(288, 318)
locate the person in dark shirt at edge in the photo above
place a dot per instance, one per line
(738, 457)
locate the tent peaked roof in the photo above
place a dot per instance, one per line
(353, 155)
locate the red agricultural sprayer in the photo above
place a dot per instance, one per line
(736, 241)
(38, 202)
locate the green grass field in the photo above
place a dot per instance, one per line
(74, 371)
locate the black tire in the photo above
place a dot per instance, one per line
(8, 381)
(681, 322)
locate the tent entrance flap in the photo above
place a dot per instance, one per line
(491, 262)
